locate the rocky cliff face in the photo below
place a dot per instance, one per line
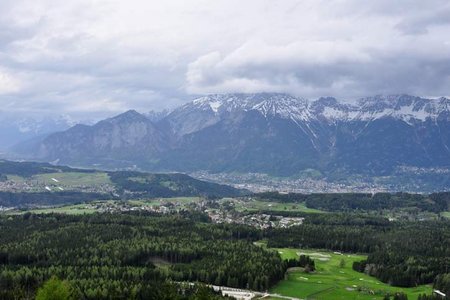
(129, 137)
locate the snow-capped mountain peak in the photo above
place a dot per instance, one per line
(405, 107)
(266, 103)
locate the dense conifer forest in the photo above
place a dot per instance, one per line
(122, 256)
(134, 255)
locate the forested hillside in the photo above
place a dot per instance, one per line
(27, 169)
(168, 185)
(125, 256)
(435, 202)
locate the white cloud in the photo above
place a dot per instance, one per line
(8, 84)
(257, 66)
(68, 56)
(352, 52)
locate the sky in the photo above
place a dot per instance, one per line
(97, 58)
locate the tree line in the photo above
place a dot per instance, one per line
(341, 202)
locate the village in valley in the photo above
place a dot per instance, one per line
(227, 210)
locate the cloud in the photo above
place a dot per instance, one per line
(8, 84)
(355, 50)
(300, 67)
(422, 22)
(101, 57)
(314, 69)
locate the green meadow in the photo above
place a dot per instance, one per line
(161, 201)
(76, 209)
(66, 180)
(256, 205)
(74, 178)
(334, 279)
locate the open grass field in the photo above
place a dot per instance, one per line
(64, 180)
(334, 280)
(160, 201)
(74, 178)
(16, 178)
(76, 209)
(256, 205)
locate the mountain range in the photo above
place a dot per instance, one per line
(271, 133)
(16, 129)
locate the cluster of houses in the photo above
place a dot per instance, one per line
(257, 220)
(262, 221)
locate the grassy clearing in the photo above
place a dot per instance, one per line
(65, 179)
(74, 178)
(15, 178)
(162, 201)
(446, 214)
(161, 264)
(76, 209)
(256, 205)
(333, 282)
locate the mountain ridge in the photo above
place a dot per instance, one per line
(271, 133)
(15, 129)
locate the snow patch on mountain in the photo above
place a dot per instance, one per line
(333, 113)
(404, 107)
(268, 104)
(215, 106)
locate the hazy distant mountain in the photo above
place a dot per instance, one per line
(267, 132)
(129, 137)
(15, 129)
